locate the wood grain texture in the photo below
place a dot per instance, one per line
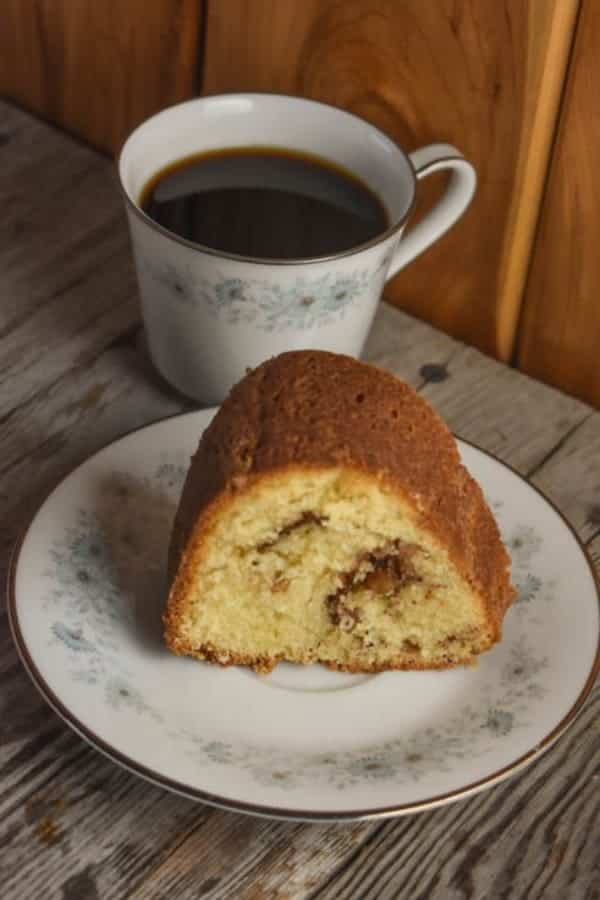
(485, 76)
(98, 69)
(571, 477)
(68, 280)
(76, 827)
(274, 860)
(594, 549)
(73, 826)
(560, 333)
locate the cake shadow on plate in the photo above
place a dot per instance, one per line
(135, 519)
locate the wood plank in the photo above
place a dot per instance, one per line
(71, 820)
(53, 230)
(43, 439)
(560, 334)
(485, 76)
(95, 404)
(99, 69)
(69, 291)
(571, 477)
(274, 860)
(68, 285)
(79, 827)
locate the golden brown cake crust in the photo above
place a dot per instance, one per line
(311, 409)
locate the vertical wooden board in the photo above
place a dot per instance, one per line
(98, 69)
(560, 335)
(482, 74)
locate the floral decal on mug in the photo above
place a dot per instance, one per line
(269, 306)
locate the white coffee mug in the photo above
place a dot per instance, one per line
(209, 315)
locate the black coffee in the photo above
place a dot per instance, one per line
(264, 202)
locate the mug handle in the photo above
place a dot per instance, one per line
(457, 197)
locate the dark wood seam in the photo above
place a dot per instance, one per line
(518, 336)
(558, 446)
(202, 37)
(593, 538)
(44, 117)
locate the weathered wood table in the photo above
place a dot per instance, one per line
(73, 376)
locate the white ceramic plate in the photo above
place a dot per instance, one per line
(87, 589)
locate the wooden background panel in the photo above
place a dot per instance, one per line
(560, 334)
(99, 68)
(483, 75)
